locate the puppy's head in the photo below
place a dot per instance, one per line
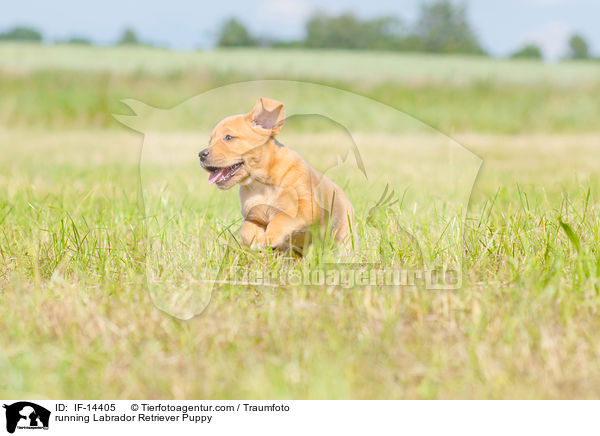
(236, 143)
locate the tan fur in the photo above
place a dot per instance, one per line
(282, 196)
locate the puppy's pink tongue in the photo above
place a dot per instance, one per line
(216, 176)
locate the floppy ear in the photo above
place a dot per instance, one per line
(267, 114)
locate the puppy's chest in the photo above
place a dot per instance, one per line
(260, 203)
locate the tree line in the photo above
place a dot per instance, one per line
(29, 34)
(442, 27)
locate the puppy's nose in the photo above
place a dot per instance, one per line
(203, 154)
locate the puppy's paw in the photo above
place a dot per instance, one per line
(252, 235)
(277, 242)
(262, 242)
(259, 242)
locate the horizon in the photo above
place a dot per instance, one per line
(546, 23)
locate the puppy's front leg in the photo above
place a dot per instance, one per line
(281, 228)
(252, 234)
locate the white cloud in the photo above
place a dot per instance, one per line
(284, 12)
(552, 38)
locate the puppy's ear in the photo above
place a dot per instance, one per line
(268, 115)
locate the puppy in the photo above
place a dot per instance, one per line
(283, 198)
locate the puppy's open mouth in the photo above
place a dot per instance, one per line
(220, 175)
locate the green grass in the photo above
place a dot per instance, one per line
(88, 251)
(77, 87)
(78, 321)
(337, 65)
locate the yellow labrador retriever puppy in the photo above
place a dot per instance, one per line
(283, 198)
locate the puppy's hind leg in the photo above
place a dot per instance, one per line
(345, 233)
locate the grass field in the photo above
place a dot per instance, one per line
(75, 87)
(77, 319)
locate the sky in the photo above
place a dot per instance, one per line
(502, 26)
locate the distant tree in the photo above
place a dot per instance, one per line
(443, 28)
(276, 43)
(129, 37)
(22, 34)
(349, 32)
(78, 40)
(234, 34)
(323, 31)
(529, 51)
(410, 43)
(578, 48)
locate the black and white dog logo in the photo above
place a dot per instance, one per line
(26, 415)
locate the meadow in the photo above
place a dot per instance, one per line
(78, 318)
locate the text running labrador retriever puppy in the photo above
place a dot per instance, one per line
(283, 198)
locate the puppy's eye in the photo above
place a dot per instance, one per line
(228, 138)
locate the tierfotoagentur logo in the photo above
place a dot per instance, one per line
(348, 276)
(25, 415)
